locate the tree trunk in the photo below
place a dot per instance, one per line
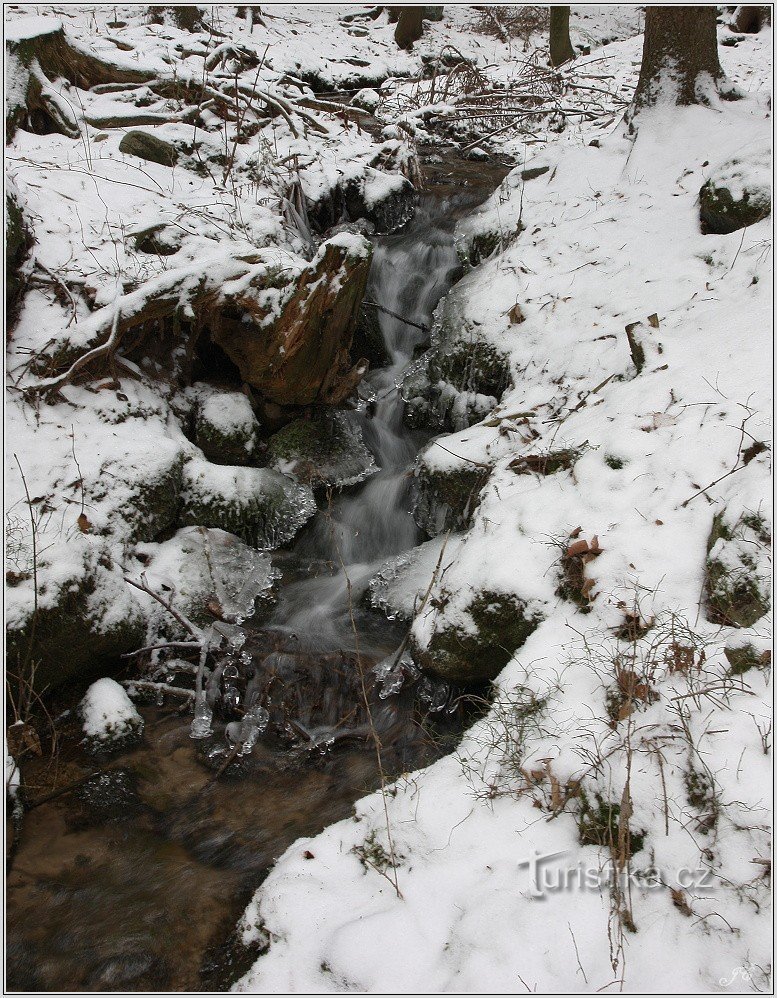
(560, 46)
(751, 19)
(680, 62)
(409, 26)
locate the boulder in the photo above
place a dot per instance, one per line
(150, 147)
(326, 450)
(445, 497)
(737, 194)
(225, 427)
(479, 645)
(262, 507)
(206, 568)
(368, 338)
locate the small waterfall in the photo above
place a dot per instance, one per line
(411, 271)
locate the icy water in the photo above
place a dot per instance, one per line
(135, 879)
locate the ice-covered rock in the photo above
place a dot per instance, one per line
(325, 450)
(261, 506)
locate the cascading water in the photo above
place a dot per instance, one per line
(347, 542)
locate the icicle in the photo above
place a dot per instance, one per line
(203, 715)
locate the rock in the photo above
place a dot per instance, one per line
(205, 568)
(300, 355)
(387, 200)
(460, 379)
(745, 657)
(110, 720)
(326, 450)
(225, 427)
(260, 506)
(18, 242)
(87, 626)
(737, 194)
(368, 338)
(139, 491)
(366, 99)
(401, 582)
(738, 576)
(446, 497)
(479, 646)
(150, 147)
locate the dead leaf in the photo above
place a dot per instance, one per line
(83, 523)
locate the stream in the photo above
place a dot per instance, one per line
(135, 880)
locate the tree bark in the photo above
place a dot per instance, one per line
(750, 20)
(680, 62)
(409, 26)
(560, 45)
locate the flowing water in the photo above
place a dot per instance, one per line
(135, 879)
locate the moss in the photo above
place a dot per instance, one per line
(720, 213)
(67, 640)
(701, 795)
(501, 626)
(234, 446)
(479, 247)
(447, 500)
(599, 824)
(616, 463)
(746, 657)
(475, 367)
(149, 147)
(735, 596)
(325, 450)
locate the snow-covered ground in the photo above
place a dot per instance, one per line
(598, 752)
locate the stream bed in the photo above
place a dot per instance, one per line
(135, 879)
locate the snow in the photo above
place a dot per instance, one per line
(107, 712)
(610, 236)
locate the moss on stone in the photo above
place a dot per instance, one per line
(746, 657)
(230, 443)
(67, 640)
(150, 147)
(501, 626)
(258, 505)
(721, 213)
(325, 450)
(735, 595)
(447, 499)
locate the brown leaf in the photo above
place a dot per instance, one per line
(83, 523)
(653, 320)
(579, 547)
(23, 738)
(516, 315)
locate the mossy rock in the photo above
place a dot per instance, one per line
(500, 624)
(731, 200)
(477, 247)
(737, 589)
(149, 147)
(475, 367)
(71, 639)
(386, 200)
(153, 503)
(18, 242)
(746, 657)
(258, 505)
(226, 429)
(325, 451)
(368, 340)
(446, 499)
